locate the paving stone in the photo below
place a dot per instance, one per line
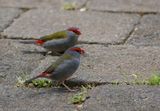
(17, 59)
(29, 99)
(125, 5)
(147, 32)
(7, 15)
(113, 63)
(40, 3)
(123, 98)
(95, 26)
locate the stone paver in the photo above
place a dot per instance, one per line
(139, 55)
(123, 98)
(27, 99)
(106, 64)
(104, 27)
(125, 5)
(14, 61)
(39, 3)
(147, 32)
(7, 15)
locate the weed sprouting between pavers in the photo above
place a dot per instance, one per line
(81, 96)
(39, 83)
(46, 83)
(69, 6)
(78, 98)
(154, 79)
(137, 80)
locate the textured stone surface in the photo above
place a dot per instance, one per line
(114, 63)
(15, 61)
(28, 3)
(101, 64)
(39, 3)
(147, 32)
(123, 98)
(104, 27)
(125, 5)
(27, 99)
(7, 15)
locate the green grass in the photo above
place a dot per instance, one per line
(138, 79)
(69, 6)
(81, 96)
(115, 82)
(42, 83)
(21, 79)
(154, 80)
(39, 83)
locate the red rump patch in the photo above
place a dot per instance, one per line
(39, 42)
(44, 74)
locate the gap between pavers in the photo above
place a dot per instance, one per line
(7, 15)
(147, 32)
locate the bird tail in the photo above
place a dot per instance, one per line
(30, 80)
(43, 74)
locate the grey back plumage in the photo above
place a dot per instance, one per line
(61, 45)
(68, 67)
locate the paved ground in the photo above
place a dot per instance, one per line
(121, 38)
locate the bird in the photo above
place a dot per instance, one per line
(60, 41)
(63, 67)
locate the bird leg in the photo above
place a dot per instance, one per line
(73, 77)
(67, 87)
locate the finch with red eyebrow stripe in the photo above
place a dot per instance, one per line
(63, 68)
(60, 41)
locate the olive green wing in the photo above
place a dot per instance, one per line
(59, 61)
(57, 35)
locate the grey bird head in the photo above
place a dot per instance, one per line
(75, 51)
(75, 30)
